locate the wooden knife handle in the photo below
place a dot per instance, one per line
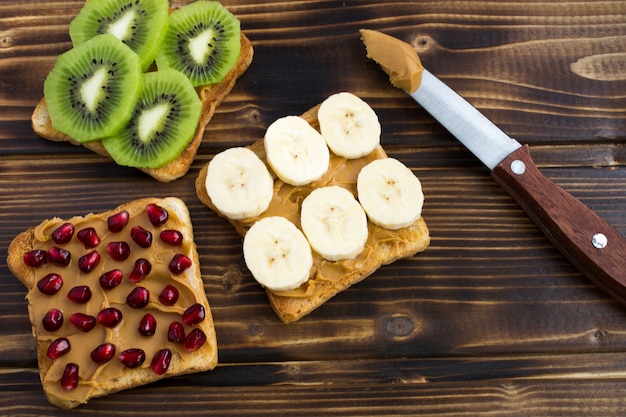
(583, 237)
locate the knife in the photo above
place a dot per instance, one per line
(594, 247)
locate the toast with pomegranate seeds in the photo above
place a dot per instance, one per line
(327, 278)
(211, 97)
(116, 299)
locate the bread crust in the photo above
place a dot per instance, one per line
(410, 240)
(203, 359)
(211, 97)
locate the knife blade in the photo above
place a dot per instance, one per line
(593, 246)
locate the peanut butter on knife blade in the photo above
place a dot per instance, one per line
(396, 58)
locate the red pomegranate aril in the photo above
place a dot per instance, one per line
(79, 294)
(69, 380)
(132, 358)
(138, 298)
(120, 251)
(53, 320)
(161, 361)
(194, 314)
(109, 317)
(50, 284)
(103, 353)
(111, 279)
(89, 237)
(194, 340)
(35, 258)
(169, 295)
(176, 332)
(58, 348)
(157, 214)
(141, 236)
(172, 237)
(118, 221)
(179, 264)
(140, 271)
(147, 325)
(63, 233)
(59, 256)
(83, 322)
(88, 262)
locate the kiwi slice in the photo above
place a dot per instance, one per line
(162, 124)
(92, 89)
(140, 24)
(202, 41)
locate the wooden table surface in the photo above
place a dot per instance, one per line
(489, 320)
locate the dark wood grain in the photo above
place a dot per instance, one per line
(489, 320)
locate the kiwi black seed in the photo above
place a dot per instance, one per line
(202, 41)
(92, 89)
(162, 125)
(140, 24)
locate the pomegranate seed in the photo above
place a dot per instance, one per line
(69, 380)
(88, 262)
(169, 295)
(111, 279)
(120, 251)
(179, 264)
(194, 340)
(141, 236)
(109, 317)
(59, 256)
(147, 325)
(157, 214)
(50, 284)
(63, 233)
(83, 321)
(172, 237)
(161, 361)
(103, 353)
(79, 294)
(194, 314)
(138, 298)
(118, 221)
(141, 269)
(176, 332)
(89, 237)
(35, 258)
(53, 320)
(58, 348)
(132, 358)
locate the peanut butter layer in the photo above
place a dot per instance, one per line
(398, 59)
(124, 335)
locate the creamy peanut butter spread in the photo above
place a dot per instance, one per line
(124, 335)
(287, 201)
(397, 58)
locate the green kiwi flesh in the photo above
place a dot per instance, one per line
(140, 24)
(92, 88)
(202, 41)
(162, 125)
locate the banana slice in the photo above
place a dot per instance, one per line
(239, 183)
(349, 125)
(277, 254)
(390, 193)
(334, 223)
(296, 151)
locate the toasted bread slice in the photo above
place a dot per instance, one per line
(95, 379)
(327, 278)
(211, 97)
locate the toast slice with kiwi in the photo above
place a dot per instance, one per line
(211, 96)
(327, 278)
(95, 330)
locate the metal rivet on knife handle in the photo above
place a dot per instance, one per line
(518, 167)
(599, 241)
